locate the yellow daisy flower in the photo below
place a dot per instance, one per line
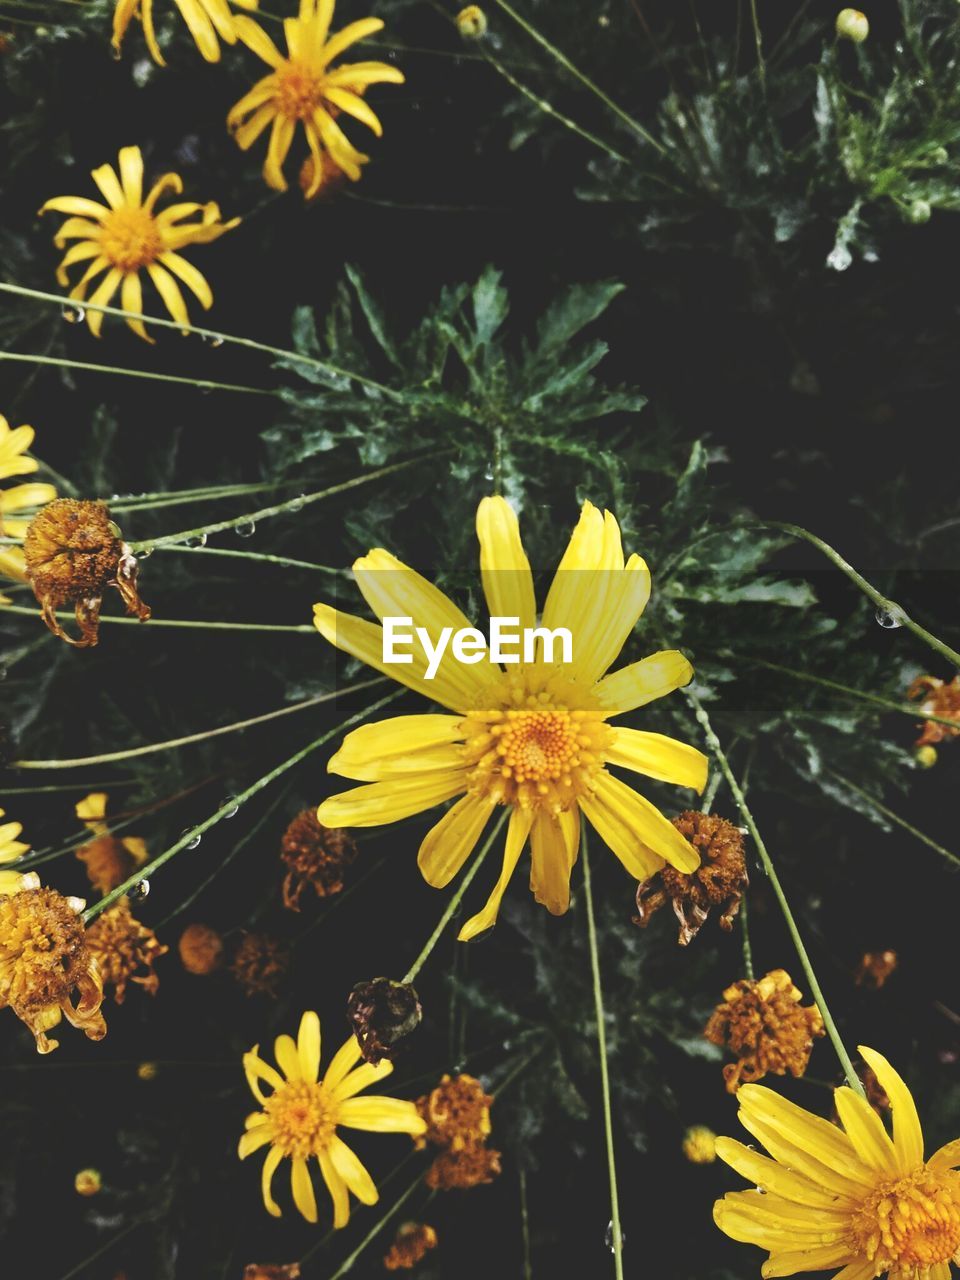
(14, 443)
(302, 87)
(533, 737)
(206, 19)
(301, 1115)
(10, 847)
(126, 236)
(854, 1198)
(22, 497)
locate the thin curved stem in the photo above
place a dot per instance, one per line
(457, 898)
(154, 623)
(714, 743)
(887, 606)
(897, 820)
(202, 384)
(230, 807)
(186, 497)
(261, 556)
(616, 1244)
(381, 1222)
(79, 762)
(280, 508)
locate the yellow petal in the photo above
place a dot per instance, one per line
(302, 1188)
(263, 91)
(449, 843)
(659, 757)
(274, 1156)
(256, 39)
(790, 1262)
(797, 1125)
(343, 1061)
(131, 299)
(400, 745)
(256, 1070)
(150, 35)
(288, 1060)
(382, 802)
(907, 1134)
(247, 134)
(253, 1140)
(342, 150)
(131, 174)
(865, 1130)
(169, 291)
(636, 830)
(79, 205)
(948, 1156)
(504, 567)
(801, 1161)
(381, 1115)
(201, 28)
(93, 807)
(643, 681)
(308, 1046)
(352, 1171)
(101, 296)
(338, 1190)
(554, 844)
(281, 136)
(191, 277)
(770, 1176)
(362, 1078)
(624, 594)
(350, 34)
(358, 75)
(517, 832)
(353, 105)
(78, 253)
(108, 182)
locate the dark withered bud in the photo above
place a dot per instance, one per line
(382, 1012)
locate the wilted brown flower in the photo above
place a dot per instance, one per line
(316, 855)
(412, 1243)
(720, 879)
(937, 698)
(201, 949)
(875, 968)
(764, 1024)
(108, 860)
(73, 552)
(43, 957)
(259, 963)
(272, 1271)
(121, 945)
(461, 1170)
(382, 1013)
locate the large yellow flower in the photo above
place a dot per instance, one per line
(301, 1115)
(534, 737)
(206, 19)
(126, 236)
(303, 87)
(855, 1198)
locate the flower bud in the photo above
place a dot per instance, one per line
(201, 949)
(472, 22)
(87, 1182)
(926, 757)
(852, 25)
(381, 1013)
(920, 211)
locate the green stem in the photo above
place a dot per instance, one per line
(201, 384)
(897, 820)
(745, 936)
(525, 1226)
(78, 762)
(280, 508)
(185, 497)
(457, 898)
(714, 744)
(377, 1227)
(896, 611)
(579, 75)
(261, 556)
(154, 623)
(904, 708)
(230, 807)
(758, 42)
(617, 1242)
(212, 334)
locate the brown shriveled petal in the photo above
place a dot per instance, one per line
(271, 1271)
(457, 1113)
(259, 964)
(316, 857)
(719, 881)
(411, 1244)
(73, 553)
(382, 1013)
(121, 946)
(201, 949)
(936, 698)
(473, 1166)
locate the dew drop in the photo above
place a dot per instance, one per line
(191, 844)
(298, 502)
(199, 540)
(247, 529)
(488, 474)
(73, 315)
(889, 619)
(839, 258)
(139, 891)
(214, 341)
(609, 1241)
(145, 554)
(234, 807)
(115, 54)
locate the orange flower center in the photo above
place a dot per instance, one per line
(299, 90)
(303, 1117)
(130, 238)
(910, 1224)
(538, 751)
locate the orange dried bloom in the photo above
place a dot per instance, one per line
(259, 963)
(73, 552)
(457, 1113)
(412, 1243)
(460, 1170)
(331, 180)
(121, 946)
(108, 860)
(937, 698)
(271, 1271)
(43, 957)
(720, 879)
(765, 1025)
(201, 949)
(875, 968)
(316, 856)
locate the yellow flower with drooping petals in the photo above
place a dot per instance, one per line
(533, 737)
(206, 20)
(302, 1112)
(14, 443)
(302, 88)
(855, 1198)
(126, 236)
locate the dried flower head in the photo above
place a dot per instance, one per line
(87, 1182)
(764, 1024)
(147, 1071)
(411, 1244)
(201, 949)
(108, 860)
(316, 856)
(43, 957)
(875, 968)
(121, 946)
(259, 964)
(936, 698)
(700, 1144)
(271, 1271)
(720, 879)
(74, 552)
(460, 1170)
(382, 1013)
(457, 1113)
